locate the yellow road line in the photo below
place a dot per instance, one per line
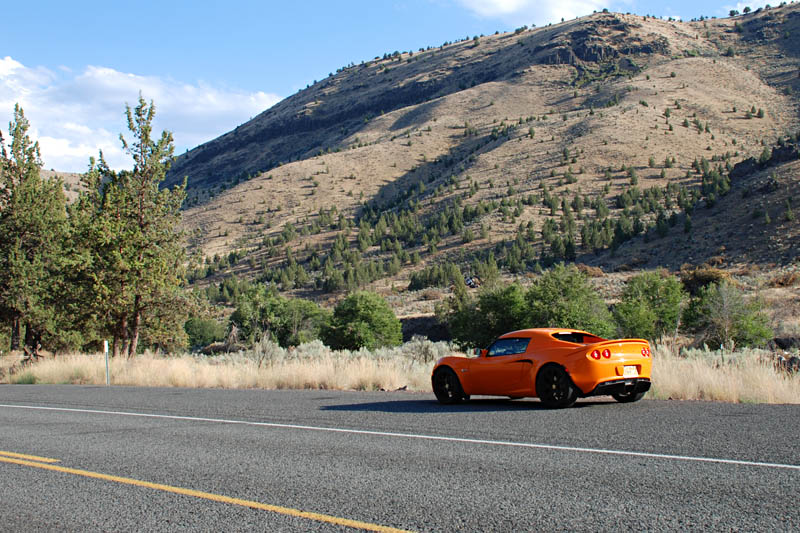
(30, 457)
(209, 496)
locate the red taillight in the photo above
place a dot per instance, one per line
(607, 353)
(646, 352)
(596, 354)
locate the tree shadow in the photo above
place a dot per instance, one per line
(473, 406)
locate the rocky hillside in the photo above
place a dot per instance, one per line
(591, 140)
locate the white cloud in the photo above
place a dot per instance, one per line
(522, 12)
(75, 114)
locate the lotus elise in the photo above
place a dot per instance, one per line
(556, 365)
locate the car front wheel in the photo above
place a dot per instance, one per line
(447, 388)
(555, 388)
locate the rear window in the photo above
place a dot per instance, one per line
(576, 338)
(508, 346)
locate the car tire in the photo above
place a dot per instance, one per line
(629, 397)
(555, 388)
(447, 387)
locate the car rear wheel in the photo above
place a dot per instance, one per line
(447, 388)
(629, 397)
(555, 388)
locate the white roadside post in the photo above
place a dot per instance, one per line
(108, 375)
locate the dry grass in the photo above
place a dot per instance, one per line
(742, 377)
(311, 366)
(746, 376)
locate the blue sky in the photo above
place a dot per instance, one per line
(210, 66)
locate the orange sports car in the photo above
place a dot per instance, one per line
(556, 365)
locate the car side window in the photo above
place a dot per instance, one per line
(508, 347)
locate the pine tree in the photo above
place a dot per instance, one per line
(130, 229)
(32, 226)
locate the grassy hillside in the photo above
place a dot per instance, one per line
(608, 140)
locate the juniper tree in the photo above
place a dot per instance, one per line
(32, 229)
(130, 230)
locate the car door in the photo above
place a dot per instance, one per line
(501, 369)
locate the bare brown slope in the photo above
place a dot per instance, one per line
(600, 88)
(324, 115)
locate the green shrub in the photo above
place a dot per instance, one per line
(650, 306)
(563, 298)
(476, 322)
(24, 378)
(289, 322)
(362, 320)
(203, 331)
(725, 318)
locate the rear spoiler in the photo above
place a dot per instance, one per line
(620, 341)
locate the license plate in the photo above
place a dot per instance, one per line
(630, 372)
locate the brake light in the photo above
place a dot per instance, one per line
(607, 353)
(646, 352)
(596, 354)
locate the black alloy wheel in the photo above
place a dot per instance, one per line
(555, 388)
(447, 388)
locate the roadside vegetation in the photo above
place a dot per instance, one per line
(742, 376)
(112, 265)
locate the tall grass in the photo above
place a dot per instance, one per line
(267, 366)
(742, 376)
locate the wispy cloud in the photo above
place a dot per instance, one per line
(73, 115)
(521, 12)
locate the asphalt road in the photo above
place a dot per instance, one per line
(395, 460)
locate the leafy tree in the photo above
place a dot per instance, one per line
(650, 306)
(362, 320)
(129, 230)
(476, 322)
(563, 298)
(32, 232)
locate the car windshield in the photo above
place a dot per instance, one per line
(508, 347)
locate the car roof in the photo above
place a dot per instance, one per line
(541, 332)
